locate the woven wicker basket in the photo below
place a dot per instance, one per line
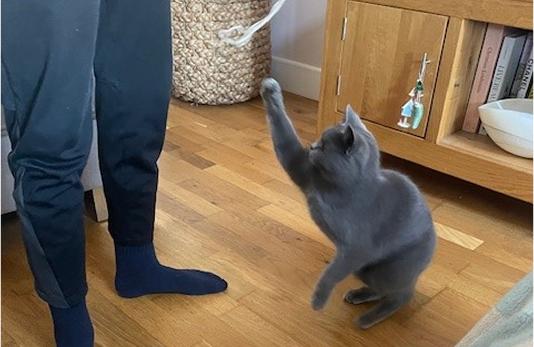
(206, 69)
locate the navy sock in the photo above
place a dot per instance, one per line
(72, 326)
(140, 273)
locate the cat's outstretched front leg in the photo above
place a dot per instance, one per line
(338, 269)
(290, 153)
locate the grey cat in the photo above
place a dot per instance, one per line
(377, 218)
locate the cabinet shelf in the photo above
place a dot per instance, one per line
(483, 147)
(365, 67)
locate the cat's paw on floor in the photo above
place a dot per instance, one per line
(369, 319)
(318, 301)
(360, 295)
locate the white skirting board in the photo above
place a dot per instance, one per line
(297, 78)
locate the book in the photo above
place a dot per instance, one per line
(482, 81)
(526, 55)
(525, 79)
(503, 76)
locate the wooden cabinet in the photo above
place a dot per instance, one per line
(373, 50)
(382, 52)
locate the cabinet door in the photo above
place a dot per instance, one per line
(380, 61)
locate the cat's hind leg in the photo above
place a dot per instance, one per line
(385, 308)
(361, 295)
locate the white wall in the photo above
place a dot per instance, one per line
(297, 40)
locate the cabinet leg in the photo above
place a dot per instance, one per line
(98, 204)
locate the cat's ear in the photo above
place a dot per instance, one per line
(348, 136)
(353, 119)
(350, 115)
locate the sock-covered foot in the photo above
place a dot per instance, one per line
(72, 326)
(140, 273)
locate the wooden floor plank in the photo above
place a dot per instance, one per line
(197, 203)
(257, 328)
(300, 224)
(492, 274)
(450, 313)
(284, 188)
(278, 199)
(457, 237)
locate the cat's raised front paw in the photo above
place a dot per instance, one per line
(269, 86)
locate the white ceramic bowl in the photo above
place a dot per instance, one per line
(509, 124)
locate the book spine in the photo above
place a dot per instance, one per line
(506, 67)
(511, 66)
(497, 85)
(482, 81)
(526, 54)
(525, 80)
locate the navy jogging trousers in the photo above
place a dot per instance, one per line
(51, 50)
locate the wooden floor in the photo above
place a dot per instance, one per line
(225, 205)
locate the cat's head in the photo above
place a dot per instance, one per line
(346, 152)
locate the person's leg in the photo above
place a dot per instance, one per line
(47, 55)
(133, 65)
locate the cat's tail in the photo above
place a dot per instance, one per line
(272, 95)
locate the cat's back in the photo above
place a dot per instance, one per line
(404, 199)
(400, 185)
